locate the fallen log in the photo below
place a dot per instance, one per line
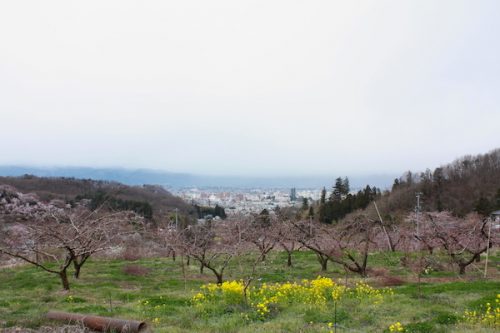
(97, 323)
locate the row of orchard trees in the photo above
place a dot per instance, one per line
(57, 239)
(347, 244)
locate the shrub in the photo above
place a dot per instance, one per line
(391, 281)
(136, 270)
(131, 254)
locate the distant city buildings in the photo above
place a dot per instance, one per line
(247, 201)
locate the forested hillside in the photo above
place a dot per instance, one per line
(148, 200)
(470, 183)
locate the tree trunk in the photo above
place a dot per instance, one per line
(289, 260)
(219, 278)
(324, 265)
(64, 279)
(218, 275)
(77, 270)
(323, 262)
(78, 262)
(463, 264)
(201, 268)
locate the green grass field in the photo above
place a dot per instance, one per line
(162, 297)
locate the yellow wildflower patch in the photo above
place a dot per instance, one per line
(490, 316)
(267, 297)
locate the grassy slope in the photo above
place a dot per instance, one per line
(27, 293)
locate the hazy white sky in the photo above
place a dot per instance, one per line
(249, 87)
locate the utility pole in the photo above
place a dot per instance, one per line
(310, 225)
(383, 227)
(176, 219)
(417, 216)
(490, 220)
(419, 250)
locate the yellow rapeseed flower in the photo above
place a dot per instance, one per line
(396, 327)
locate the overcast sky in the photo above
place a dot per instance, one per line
(249, 87)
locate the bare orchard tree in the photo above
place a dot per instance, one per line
(463, 239)
(68, 237)
(198, 240)
(314, 236)
(211, 246)
(248, 235)
(353, 240)
(422, 236)
(39, 244)
(166, 238)
(391, 235)
(261, 235)
(285, 236)
(91, 232)
(347, 244)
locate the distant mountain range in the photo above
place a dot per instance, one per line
(174, 180)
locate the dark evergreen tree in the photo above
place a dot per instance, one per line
(263, 219)
(311, 211)
(496, 201)
(341, 202)
(396, 184)
(322, 207)
(100, 199)
(345, 186)
(338, 190)
(483, 206)
(220, 212)
(305, 204)
(322, 200)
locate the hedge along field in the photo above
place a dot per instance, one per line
(278, 299)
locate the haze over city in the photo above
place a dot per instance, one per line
(260, 88)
